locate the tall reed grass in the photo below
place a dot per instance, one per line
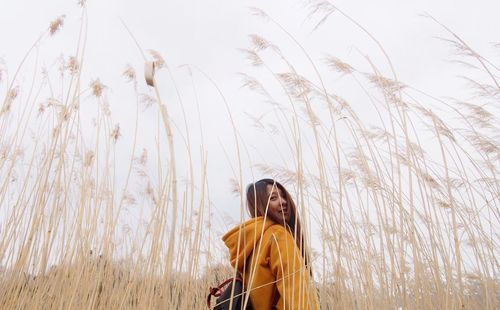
(398, 189)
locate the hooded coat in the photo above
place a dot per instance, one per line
(272, 266)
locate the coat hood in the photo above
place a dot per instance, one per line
(244, 238)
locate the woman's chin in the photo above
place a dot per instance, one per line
(279, 218)
(285, 217)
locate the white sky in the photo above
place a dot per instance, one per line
(208, 34)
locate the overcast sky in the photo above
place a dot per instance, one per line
(204, 32)
(207, 34)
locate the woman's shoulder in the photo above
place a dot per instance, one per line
(277, 228)
(279, 232)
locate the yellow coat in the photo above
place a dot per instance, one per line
(276, 273)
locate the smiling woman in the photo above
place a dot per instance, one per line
(269, 251)
(278, 207)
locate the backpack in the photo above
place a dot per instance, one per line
(224, 298)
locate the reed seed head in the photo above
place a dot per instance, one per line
(72, 65)
(56, 24)
(97, 87)
(338, 65)
(115, 133)
(11, 96)
(258, 42)
(129, 73)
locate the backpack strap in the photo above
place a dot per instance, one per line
(217, 291)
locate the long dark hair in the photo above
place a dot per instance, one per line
(257, 203)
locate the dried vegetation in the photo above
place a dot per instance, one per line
(406, 207)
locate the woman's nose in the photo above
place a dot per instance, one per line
(282, 200)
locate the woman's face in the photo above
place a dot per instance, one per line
(278, 206)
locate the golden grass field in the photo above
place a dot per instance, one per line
(400, 213)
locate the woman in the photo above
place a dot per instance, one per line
(269, 251)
